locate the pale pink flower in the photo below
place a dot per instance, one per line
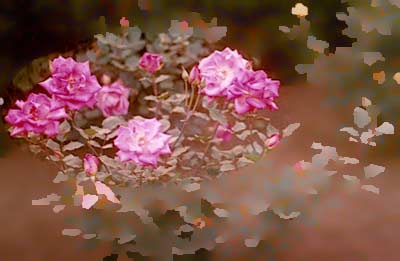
(151, 62)
(113, 99)
(253, 90)
(90, 164)
(194, 76)
(224, 133)
(142, 141)
(38, 114)
(219, 69)
(273, 141)
(72, 83)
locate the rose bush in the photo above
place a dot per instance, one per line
(161, 134)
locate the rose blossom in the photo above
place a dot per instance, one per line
(90, 164)
(253, 90)
(273, 140)
(124, 22)
(150, 62)
(72, 83)
(224, 133)
(219, 69)
(113, 99)
(38, 114)
(142, 141)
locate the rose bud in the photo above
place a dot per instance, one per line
(224, 133)
(90, 164)
(194, 76)
(151, 62)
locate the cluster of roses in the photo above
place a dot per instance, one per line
(72, 87)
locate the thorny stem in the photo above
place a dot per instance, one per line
(46, 149)
(215, 132)
(190, 113)
(155, 92)
(186, 93)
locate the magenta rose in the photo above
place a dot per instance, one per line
(113, 99)
(142, 141)
(219, 70)
(151, 62)
(38, 114)
(90, 164)
(72, 83)
(253, 90)
(224, 133)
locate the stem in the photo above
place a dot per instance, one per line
(48, 151)
(186, 93)
(189, 115)
(191, 97)
(155, 92)
(75, 126)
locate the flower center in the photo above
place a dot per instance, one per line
(141, 139)
(33, 111)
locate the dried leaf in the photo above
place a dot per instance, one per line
(61, 177)
(74, 145)
(58, 208)
(370, 188)
(351, 178)
(373, 170)
(46, 201)
(112, 122)
(73, 161)
(251, 242)
(180, 151)
(361, 117)
(351, 131)
(89, 200)
(218, 116)
(191, 187)
(239, 126)
(348, 160)
(385, 128)
(290, 129)
(221, 212)
(227, 167)
(71, 232)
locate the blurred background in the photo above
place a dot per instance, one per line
(347, 226)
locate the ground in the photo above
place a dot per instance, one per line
(349, 226)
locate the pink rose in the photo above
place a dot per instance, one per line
(90, 164)
(224, 133)
(253, 90)
(151, 62)
(113, 99)
(142, 141)
(72, 83)
(194, 76)
(219, 69)
(38, 114)
(124, 22)
(273, 140)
